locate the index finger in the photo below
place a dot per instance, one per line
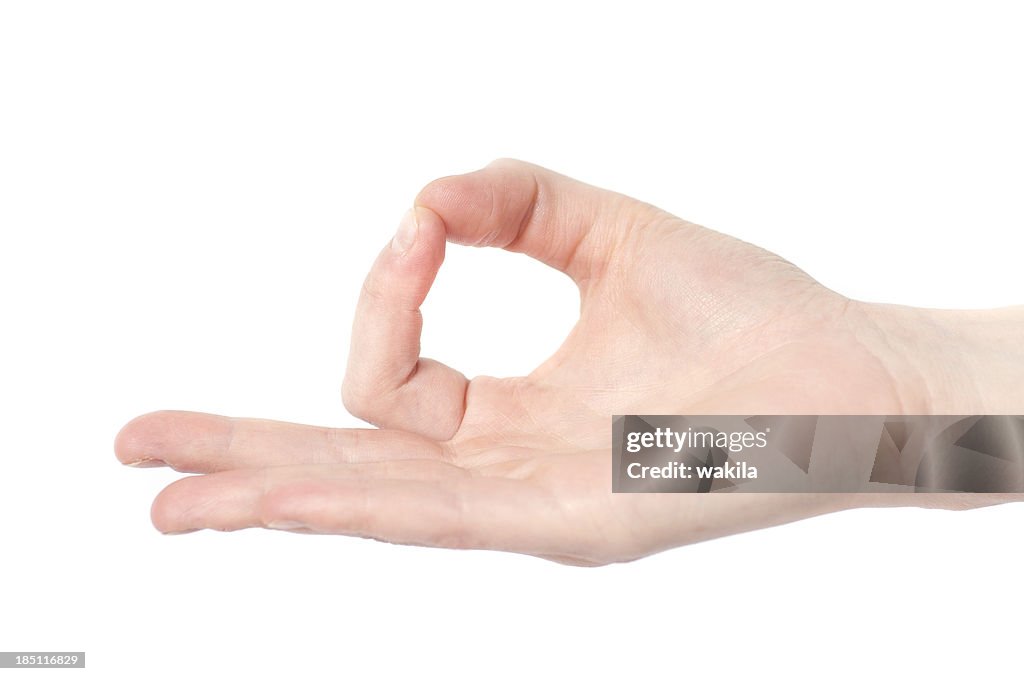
(521, 207)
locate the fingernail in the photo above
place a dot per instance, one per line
(149, 462)
(176, 532)
(405, 237)
(287, 525)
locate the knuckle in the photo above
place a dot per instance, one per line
(353, 399)
(368, 405)
(372, 288)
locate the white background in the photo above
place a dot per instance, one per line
(191, 193)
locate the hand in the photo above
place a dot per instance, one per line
(674, 318)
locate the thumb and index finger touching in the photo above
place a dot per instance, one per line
(509, 204)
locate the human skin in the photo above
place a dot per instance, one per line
(674, 319)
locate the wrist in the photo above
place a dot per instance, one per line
(949, 361)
